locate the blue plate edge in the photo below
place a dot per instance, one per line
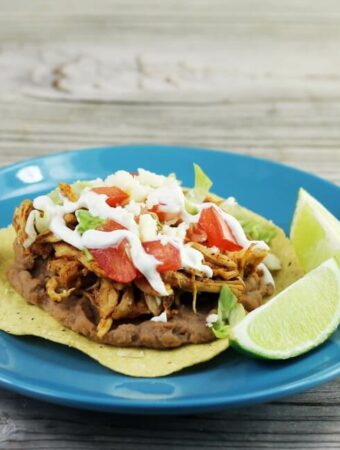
(172, 407)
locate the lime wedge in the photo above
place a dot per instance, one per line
(315, 232)
(298, 319)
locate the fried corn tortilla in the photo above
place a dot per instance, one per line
(20, 318)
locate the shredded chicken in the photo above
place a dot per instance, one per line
(67, 191)
(248, 259)
(52, 285)
(184, 282)
(66, 271)
(106, 298)
(154, 304)
(20, 218)
(104, 326)
(66, 250)
(129, 307)
(92, 266)
(216, 259)
(145, 287)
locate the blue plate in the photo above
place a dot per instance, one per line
(55, 373)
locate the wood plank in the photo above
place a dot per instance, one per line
(305, 136)
(310, 420)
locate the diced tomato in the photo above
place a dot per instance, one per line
(167, 254)
(115, 195)
(111, 225)
(116, 263)
(196, 234)
(164, 216)
(218, 232)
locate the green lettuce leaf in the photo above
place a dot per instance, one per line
(220, 330)
(200, 190)
(87, 222)
(87, 254)
(56, 197)
(229, 313)
(202, 183)
(258, 231)
(79, 186)
(226, 302)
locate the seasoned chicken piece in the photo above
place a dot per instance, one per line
(106, 298)
(248, 259)
(54, 292)
(46, 237)
(91, 265)
(216, 259)
(182, 281)
(66, 271)
(21, 214)
(154, 304)
(66, 250)
(225, 274)
(70, 220)
(67, 191)
(145, 287)
(128, 307)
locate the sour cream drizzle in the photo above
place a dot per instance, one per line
(163, 191)
(267, 276)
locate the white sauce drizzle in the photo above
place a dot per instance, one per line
(267, 277)
(161, 318)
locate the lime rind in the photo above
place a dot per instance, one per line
(265, 319)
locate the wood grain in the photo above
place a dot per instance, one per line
(308, 421)
(258, 77)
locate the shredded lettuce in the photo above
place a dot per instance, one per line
(79, 186)
(202, 183)
(56, 197)
(190, 207)
(229, 313)
(221, 330)
(87, 222)
(200, 190)
(226, 302)
(87, 254)
(257, 231)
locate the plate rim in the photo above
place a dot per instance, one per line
(22, 162)
(169, 406)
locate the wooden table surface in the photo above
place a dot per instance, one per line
(257, 77)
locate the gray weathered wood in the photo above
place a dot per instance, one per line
(257, 77)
